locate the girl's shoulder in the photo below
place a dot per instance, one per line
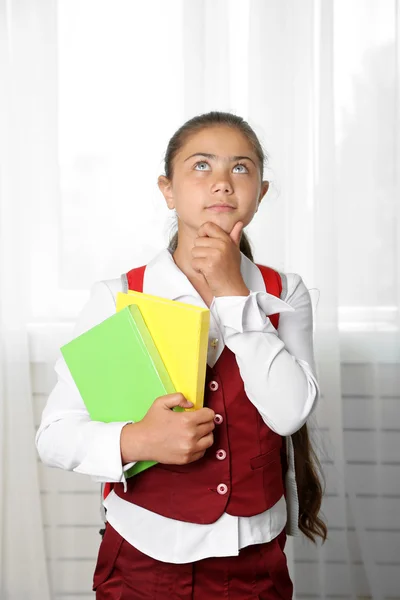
(113, 286)
(100, 305)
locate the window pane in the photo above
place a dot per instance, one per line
(366, 116)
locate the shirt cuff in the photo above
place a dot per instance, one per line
(103, 459)
(248, 313)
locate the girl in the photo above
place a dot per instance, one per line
(211, 518)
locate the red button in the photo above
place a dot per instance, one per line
(218, 419)
(222, 489)
(221, 454)
(213, 385)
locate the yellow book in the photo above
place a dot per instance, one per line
(180, 332)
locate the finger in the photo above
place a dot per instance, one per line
(172, 400)
(205, 442)
(200, 253)
(210, 229)
(202, 445)
(208, 242)
(203, 415)
(204, 429)
(206, 252)
(236, 233)
(199, 264)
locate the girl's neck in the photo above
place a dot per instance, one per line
(183, 253)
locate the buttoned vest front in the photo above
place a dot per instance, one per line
(242, 473)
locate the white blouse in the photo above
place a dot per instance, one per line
(278, 371)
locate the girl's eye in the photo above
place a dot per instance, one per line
(202, 166)
(244, 169)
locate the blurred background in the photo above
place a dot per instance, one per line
(90, 93)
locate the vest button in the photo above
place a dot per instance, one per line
(213, 385)
(222, 489)
(214, 343)
(221, 454)
(218, 419)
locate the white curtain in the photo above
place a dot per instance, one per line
(319, 82)
(24, 152)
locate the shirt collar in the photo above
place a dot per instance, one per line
(165, 279)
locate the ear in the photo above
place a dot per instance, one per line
(264, 190)
(165, 187)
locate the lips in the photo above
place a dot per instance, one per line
(221, 207)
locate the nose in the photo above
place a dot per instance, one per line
(222, 185)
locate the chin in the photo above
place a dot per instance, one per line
(225, 221)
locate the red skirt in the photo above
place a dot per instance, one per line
(259, 573)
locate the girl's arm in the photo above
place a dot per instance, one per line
(277, 367)
(67, 438)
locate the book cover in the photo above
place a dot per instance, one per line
(118, 370)
(180, 332)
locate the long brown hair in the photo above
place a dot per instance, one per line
(309, 476)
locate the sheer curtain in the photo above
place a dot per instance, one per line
(26, 50)
(91, 92)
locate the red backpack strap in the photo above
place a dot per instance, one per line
(134, 280)
(273, 285)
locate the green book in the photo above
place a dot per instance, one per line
(118, 370)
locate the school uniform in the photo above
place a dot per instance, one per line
(234, 506)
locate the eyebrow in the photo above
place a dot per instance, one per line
(214, 157)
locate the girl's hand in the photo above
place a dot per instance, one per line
(217, 256)
(166, 436)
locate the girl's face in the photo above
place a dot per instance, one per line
(216, 177)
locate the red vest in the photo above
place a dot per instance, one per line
(242, 473)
